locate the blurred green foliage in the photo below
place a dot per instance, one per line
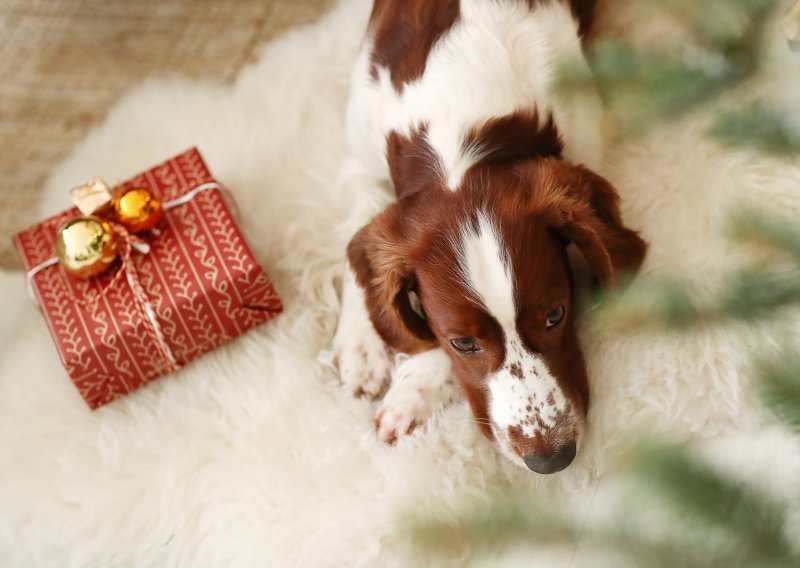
(641, 87)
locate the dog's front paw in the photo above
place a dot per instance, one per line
(363, 359)
(400, 413)
(365, 367)
(421, 385)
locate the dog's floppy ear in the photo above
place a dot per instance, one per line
(587, 214)
(377, 255)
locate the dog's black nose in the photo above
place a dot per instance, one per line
(552, 462)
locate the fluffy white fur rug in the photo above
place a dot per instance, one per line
(253, 456)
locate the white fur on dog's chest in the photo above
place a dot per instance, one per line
(498, 58)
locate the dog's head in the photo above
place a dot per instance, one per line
(483, 272)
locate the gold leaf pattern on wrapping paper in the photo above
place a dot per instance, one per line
(99, 389)
(199, 324)
(193, 169)
(218, 220)
(76, 348)
(167, 181)
(65, 326)
(209, 334)
(171, 264)
(222, 287)
(102, 327)
(51, 287)
(126, 310)
(247, 273)
(159, 298)
(103, 387)
(94, 384)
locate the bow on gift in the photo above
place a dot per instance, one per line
(87, 245)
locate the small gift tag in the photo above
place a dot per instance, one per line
(92, 197)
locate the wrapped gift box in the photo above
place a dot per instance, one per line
(199, 286)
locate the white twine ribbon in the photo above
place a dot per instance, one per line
(151, 316)
(33, 272)
(191, 194)
(138, 292)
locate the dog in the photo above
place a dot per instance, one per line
(494, 175)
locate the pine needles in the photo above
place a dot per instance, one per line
(644, 87)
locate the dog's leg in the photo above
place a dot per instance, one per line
(421, 385)
(364, 360)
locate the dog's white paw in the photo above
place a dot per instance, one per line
(398, 416)
(363, 359)
(365, 366)
(420, 386)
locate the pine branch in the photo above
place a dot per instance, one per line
(768, 227)
(757, 126)
(503, 517)
(722, 523)
(643, 87)
(781, 387)
(719, 21)
(756, 294)
(712, 503)
(717, 522)
(747, 294)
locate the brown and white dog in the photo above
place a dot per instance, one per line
(452, 102)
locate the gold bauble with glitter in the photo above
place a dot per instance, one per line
(86, 246)
(138, 210)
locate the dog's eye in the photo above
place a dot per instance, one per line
(465, 345)
(554, 318)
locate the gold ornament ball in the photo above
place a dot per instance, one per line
(138, 209)
(86, 246)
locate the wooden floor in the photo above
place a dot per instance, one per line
(63, 64)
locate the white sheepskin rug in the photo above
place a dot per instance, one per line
(253, 455)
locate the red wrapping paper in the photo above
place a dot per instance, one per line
(200, 277)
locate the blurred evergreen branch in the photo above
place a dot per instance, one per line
(747, 294)
(722, 523)
(760, 127)
(710, 502)
(781, 387)
(723, 21)
(641, 87)
(501, 518)
(765, 227)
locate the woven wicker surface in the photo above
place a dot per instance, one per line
(64, 63)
